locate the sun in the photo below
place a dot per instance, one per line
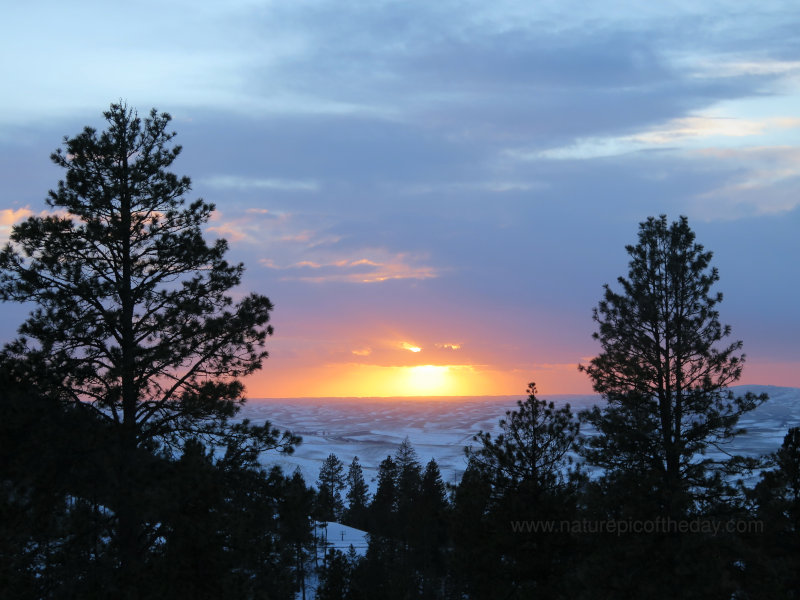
(428, 380)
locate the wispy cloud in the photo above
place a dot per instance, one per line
(237, 182)
(492, 187)
(763, 181)
(380, 266)
(677, 133)
(719, 67)
(449, 346)
(10, 217)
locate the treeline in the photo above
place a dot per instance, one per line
(524, 521)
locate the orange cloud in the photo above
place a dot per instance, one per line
(229, 231)
(410, 347)
(383, 267)
(449, 346)
(9, 216)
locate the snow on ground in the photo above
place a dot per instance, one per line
(341, 537)
(439, 428)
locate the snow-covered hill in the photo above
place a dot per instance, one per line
(440, 427)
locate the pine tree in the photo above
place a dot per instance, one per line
(474, 563)
(531, 455)
(330, 484)
(774, 571)
(429, 532)
(664, 373)
(296, 505)
(133, 317)
(528, 468)
(409, 480)
(383, 509)
(357, 496)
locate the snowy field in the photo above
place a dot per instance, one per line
(372, 428)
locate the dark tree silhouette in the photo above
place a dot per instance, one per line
(357, 496)
(664, 373)
(531, 453)
(409, 480)
(527, 467)
(774, 570)
(133, 316)
(330, 484)
(296, 506)
(383, 508)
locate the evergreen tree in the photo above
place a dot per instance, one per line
(336, 576)
(528, 468)
(664, 373)
(774, 569)
(330, 484)
(531, 453)
(297, 536)
(474, 564)
(383, 509)
(409, 480)
(429, 530)
(357, 496)
(133, 319)
(433, 492)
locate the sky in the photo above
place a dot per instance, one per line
(433, 194)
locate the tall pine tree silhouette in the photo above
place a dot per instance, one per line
(132, 313)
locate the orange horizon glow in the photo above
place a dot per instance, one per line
(357, 380)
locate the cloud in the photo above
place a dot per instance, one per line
(723, 67)
(229, 231)
(762, 181)
(11, 216)
(492, 187)
(383, 266)
(680, 132)
(449, 346)
(236, 182)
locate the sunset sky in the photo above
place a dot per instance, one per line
(433, 193)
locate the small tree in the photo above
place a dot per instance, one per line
(774, 571)
(357, 495)
(383, 509)
(409, 480)
(532, 452)
(527, 467)
(296, 505)
(664, 373)
(133, 316)
(331, 483)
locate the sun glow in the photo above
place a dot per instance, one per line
(429, 380)
(362, 380)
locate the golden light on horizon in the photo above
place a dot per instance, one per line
(430, 380)
(354, 380)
